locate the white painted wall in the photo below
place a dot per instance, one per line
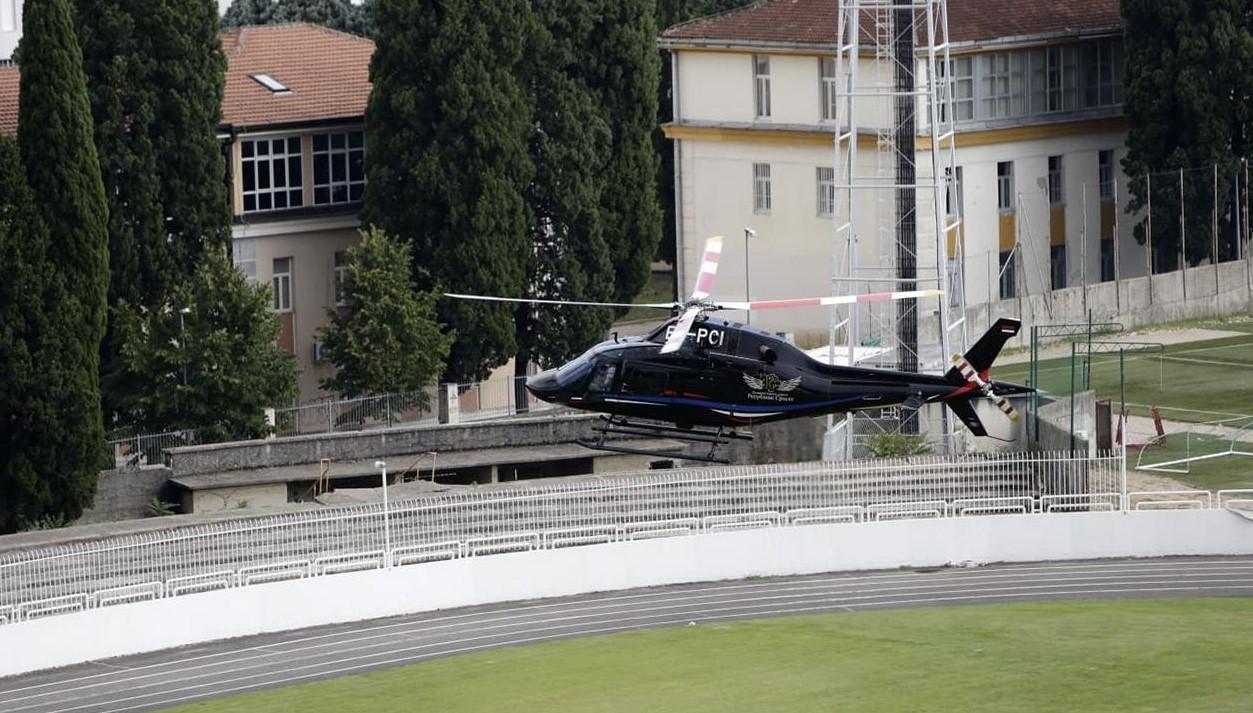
(792, 257)
(134, 628)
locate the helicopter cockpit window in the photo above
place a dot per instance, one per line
(602, 377)
(574, 371)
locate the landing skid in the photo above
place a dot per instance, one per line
(617, 425)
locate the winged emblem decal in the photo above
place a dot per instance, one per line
(771, 383)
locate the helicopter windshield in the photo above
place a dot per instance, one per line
(574, 371)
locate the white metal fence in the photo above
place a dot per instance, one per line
(74, 577)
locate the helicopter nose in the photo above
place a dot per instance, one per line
(544, 385)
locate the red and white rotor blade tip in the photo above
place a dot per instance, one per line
(484, 298)
(833, 300)
(972, 376)
(681, 328)
(708, 268)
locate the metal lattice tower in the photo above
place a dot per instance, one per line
(895, 94)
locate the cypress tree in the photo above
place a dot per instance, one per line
(118, 62)
(59, 155)
(625, 68)
(189, 76)
(447, 125)
(569, 146)
(25, 492)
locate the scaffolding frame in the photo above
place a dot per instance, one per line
(873, 29)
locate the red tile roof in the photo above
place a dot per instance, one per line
(10, 82)
(327, 71)
(813, 22)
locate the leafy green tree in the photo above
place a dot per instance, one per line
(447, 124)
(25, 336)
(1187, 100)
(624, 67)
(335, 14)
(669, 14)
(569, 146)
(207, 357)
(385, 339)
(62, 170)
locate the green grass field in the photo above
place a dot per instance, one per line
(1119, 655)
(1193, 382)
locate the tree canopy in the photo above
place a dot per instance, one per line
(447, 124)
(1188, 92)
(336, 14)
(384, 339)
(207, 357)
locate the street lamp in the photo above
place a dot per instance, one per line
(748, 314)
(387, 527)
(182, 339)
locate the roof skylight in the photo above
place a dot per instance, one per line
(271, 83)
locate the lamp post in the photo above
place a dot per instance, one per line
(387, 527)
(182, 339)
(748, 314)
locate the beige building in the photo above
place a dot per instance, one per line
(1040, 133)
(292, 130)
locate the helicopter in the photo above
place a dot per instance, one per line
(702, 379)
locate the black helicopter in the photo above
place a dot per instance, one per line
(708, 376)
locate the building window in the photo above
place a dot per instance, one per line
(830, 93)
(1054, 79)
(1107, 260)
(761, 85)
(338, 168)
(1102, 73)
(1105, 174)
(826, 191)
(281, 284)
(1007, 274)
(761, 188)
(340, 272)
(272, 174)
(1055, 181)
(1003, 85)
(963, 88)
(1005, 185)
(953, 194)
(244, 253)
(1057, 265)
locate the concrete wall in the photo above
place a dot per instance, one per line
(124, 494)
(134, 628)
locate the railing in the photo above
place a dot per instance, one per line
(476, 401)
(46, 581)
(357, 414)
(146, 449)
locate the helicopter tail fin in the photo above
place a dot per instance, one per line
(965, 411)
(985, 351)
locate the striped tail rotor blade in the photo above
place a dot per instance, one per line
(681, 328)
(969, 373)
(708, 268)
(833, 300)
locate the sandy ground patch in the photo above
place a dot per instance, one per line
(1150, 336)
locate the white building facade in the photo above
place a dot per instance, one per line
(1040, 137)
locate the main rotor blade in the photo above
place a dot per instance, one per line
(834, 300)
(483, 298)
(708, 269)
(681, 328)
